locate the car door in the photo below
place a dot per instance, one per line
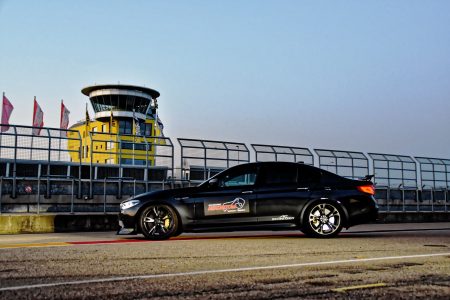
(229, 199)
(279, 195)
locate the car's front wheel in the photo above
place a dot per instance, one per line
(323, 219)
(159, 222)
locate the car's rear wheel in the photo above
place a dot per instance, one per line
(323, 220)
(159, 222)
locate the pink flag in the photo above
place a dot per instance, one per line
(7, 109)
(38, 118)
(64, 121)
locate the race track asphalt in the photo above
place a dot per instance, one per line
(389, 261)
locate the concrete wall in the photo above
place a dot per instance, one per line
(33, 223)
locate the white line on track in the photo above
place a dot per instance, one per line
(153, 276)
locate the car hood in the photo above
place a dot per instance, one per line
(167, 194)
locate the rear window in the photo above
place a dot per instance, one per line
(279, 175)
(309, 176)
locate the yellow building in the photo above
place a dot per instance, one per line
(125, 128)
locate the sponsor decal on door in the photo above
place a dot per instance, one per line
(238, 205)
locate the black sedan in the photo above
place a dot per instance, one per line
(264, 195)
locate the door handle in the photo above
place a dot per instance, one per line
(247, 192)
(302, 189)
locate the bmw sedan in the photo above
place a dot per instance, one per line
(254, 196)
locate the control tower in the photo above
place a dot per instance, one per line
(120, 111)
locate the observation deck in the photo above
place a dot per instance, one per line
(122, 100)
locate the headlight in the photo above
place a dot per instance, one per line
(128, 204)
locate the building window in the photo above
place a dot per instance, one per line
(103, 127)
(125, 127)
(135, 146)
(129, 161)
(127, 146)
(148, 129)
(94, 129)
(109, 145)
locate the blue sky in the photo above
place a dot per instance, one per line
(371, 76)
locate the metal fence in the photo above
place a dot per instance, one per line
(201, 159)
(282, 153)
(54, 170)
(345, 163)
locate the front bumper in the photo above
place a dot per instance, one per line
(123, 230)
(128, 221)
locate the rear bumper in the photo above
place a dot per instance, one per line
(366, 214)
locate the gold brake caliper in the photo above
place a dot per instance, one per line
(167, 223)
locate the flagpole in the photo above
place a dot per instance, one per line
(134, 134)
(32, 130)
(110, 120)
(86, 130)
(1, 134)
(60, 121)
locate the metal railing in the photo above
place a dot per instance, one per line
(54, 170)
(348, 164)
(282, 153)
(49, 169)
(394, 170)
(201, 159)
(434, 172)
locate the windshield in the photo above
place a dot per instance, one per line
(207, 180)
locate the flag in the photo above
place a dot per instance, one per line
(88, 119)
(110, 120)
(137, 128)
(38, 118)
(7, 109)
(64, 120)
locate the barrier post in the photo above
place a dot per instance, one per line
(446, 199)
(432, 198)
(39, 195)
(403, 197)
(388, 198)
(104, 196)
(47, 192)
(71, 198)
(91, 175)
(418, 197)
(1, 193)
(14, 185)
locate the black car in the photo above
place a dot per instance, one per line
(263, 195)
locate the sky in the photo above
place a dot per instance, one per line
(370, 76)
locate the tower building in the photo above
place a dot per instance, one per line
(124, 127)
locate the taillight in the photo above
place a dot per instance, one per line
(368, 189)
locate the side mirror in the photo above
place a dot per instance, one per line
(213, 182)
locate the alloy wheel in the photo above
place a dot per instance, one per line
(158, 222)
(325, 219)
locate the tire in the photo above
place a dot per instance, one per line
(159, 222)
(323, 219)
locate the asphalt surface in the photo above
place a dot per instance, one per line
(398, 261)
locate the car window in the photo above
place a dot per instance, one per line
(309, 176)
(279, 175)
(243, 178)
